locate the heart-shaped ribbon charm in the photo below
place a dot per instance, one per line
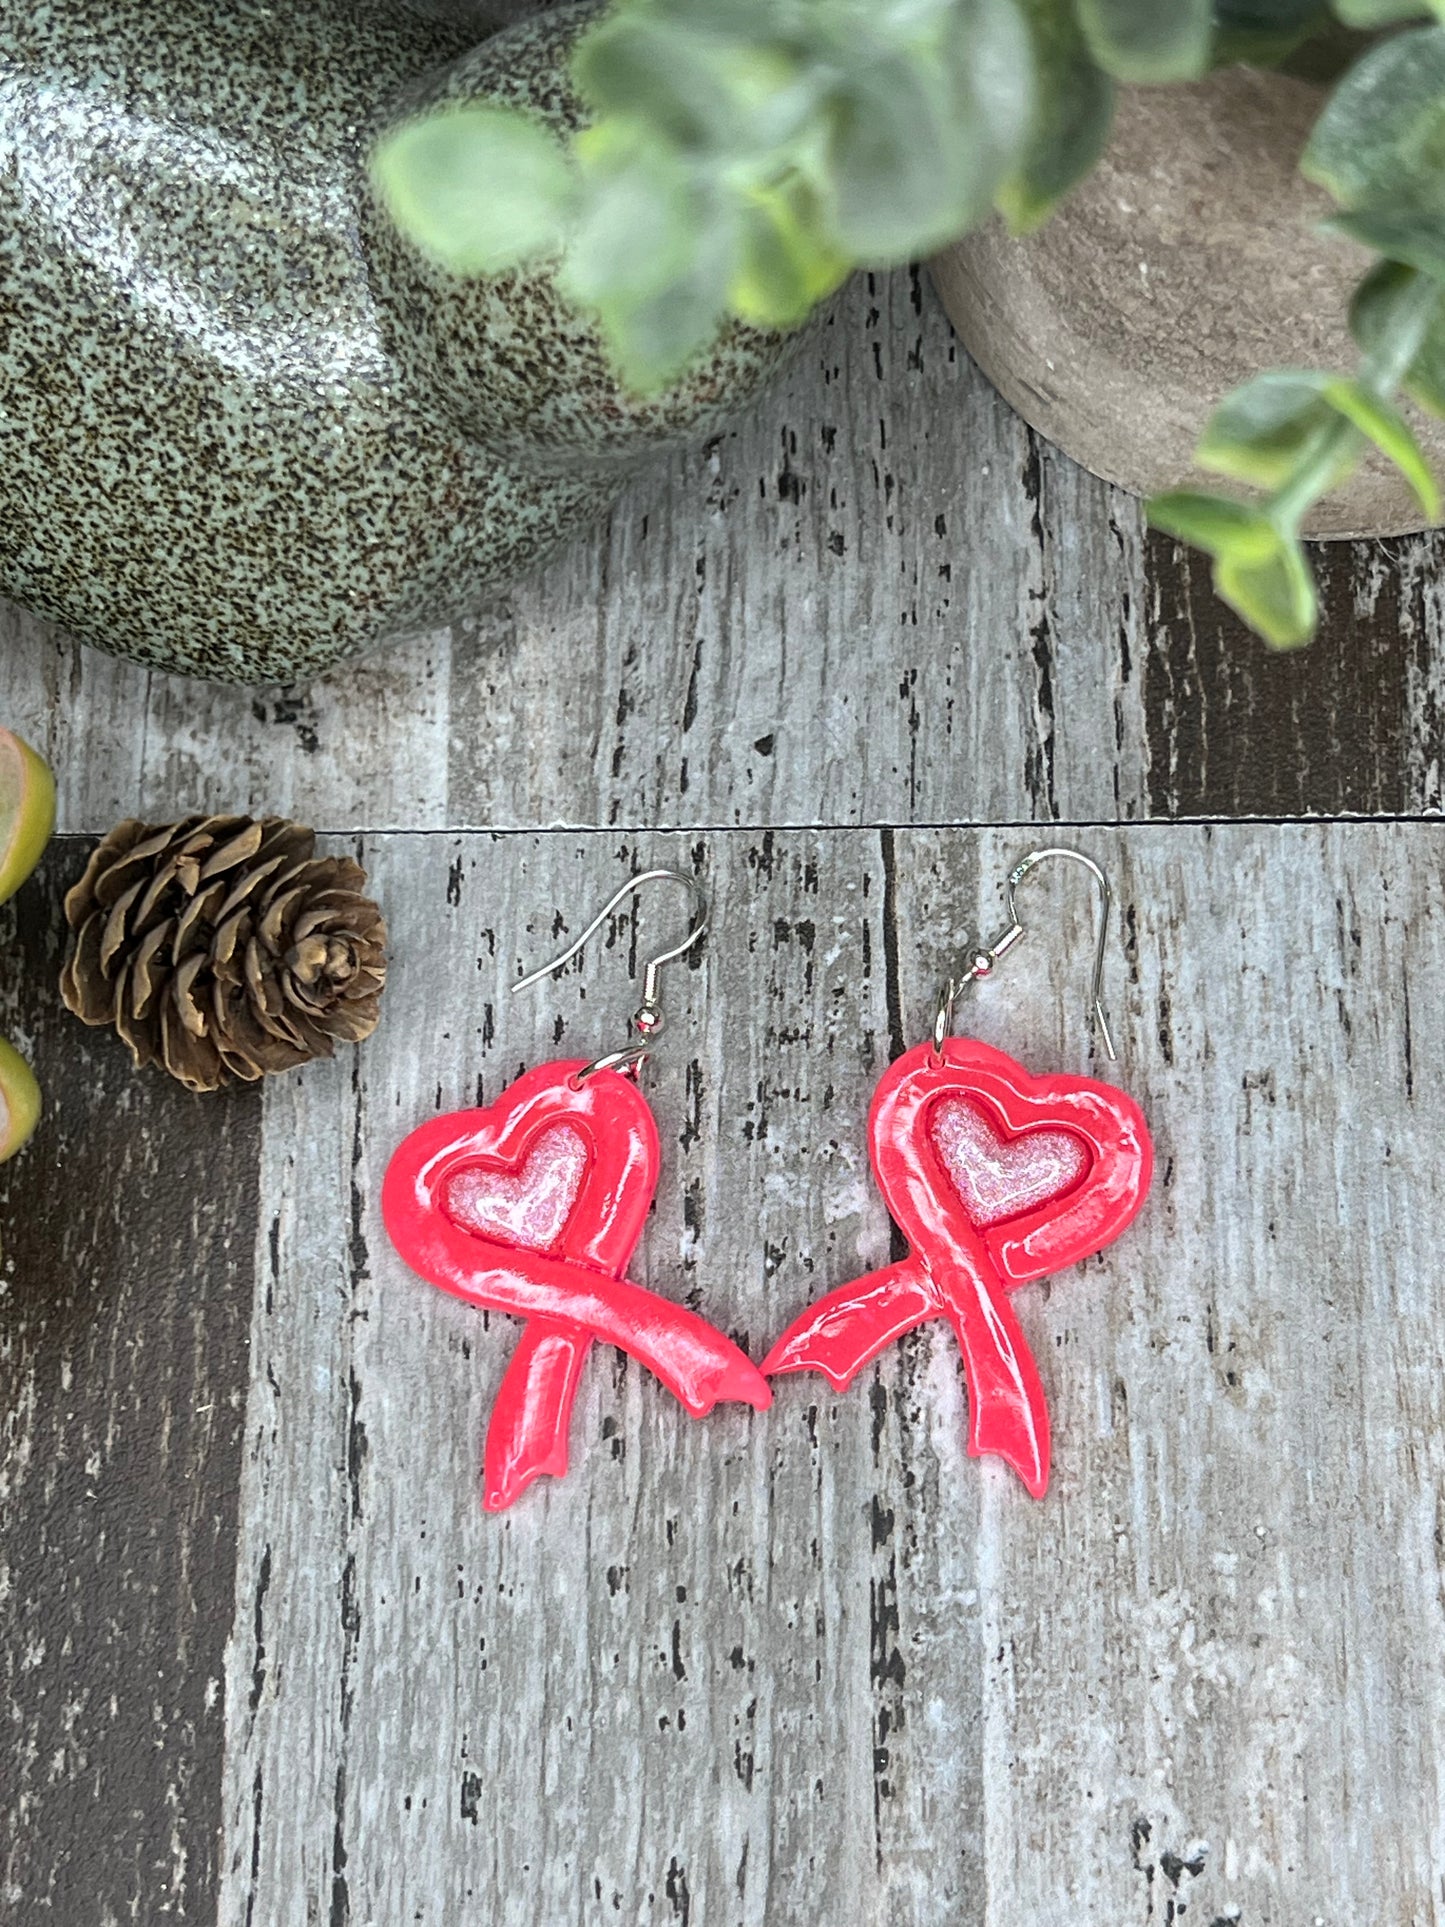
(996, 1179)
(534, 1205)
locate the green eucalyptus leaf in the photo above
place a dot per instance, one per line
(1213, 523)
(1258, 433)
(480, 189)
(897, 20)
(923, 134)
(1264, 31)
(1379, 13)
(895, 165)
(1381, 138)
(1073, 110)
(1275, 593)
(1267, 428)
(911, 163)
(651, 254)
(786, 264)
(1379, 148)
(653, 338)
(693, 84)
(990, 62)
(1149, 40)
(1383, 424)
(637, 224)
(1373, 313)
(655, 325)
(1260, 570)
(1400, 230)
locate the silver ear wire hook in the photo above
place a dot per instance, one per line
(647, 1019)
(984, 960)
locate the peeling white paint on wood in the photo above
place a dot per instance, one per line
(816, 1664)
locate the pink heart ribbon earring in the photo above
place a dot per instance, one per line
(996, 1179)
(534, 1205)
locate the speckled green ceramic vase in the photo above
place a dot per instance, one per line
(246, 430)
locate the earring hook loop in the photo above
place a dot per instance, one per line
(647, 1019)
(985, 960)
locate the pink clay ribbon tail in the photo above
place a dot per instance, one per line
(1008, 1415)
(532, 1415)
(848, 1327)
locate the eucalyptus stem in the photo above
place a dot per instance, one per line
(1336, 444)
(1332, 447)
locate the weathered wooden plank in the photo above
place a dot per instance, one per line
(128, 1225)
(818, 1662)
(645, 1681)
(1353, 725)
(875, 599)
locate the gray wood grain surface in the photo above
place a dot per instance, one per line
(817, 1664)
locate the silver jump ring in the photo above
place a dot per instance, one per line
(629, 1059)
(943, 1017)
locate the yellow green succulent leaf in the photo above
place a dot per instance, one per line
(27, 811)
(19, 1100)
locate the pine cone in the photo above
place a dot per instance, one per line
(224, 948)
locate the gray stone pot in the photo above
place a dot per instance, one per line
(246, 431)
(1189, 260)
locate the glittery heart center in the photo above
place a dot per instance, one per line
(1001, 1177)
(529, 1206)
